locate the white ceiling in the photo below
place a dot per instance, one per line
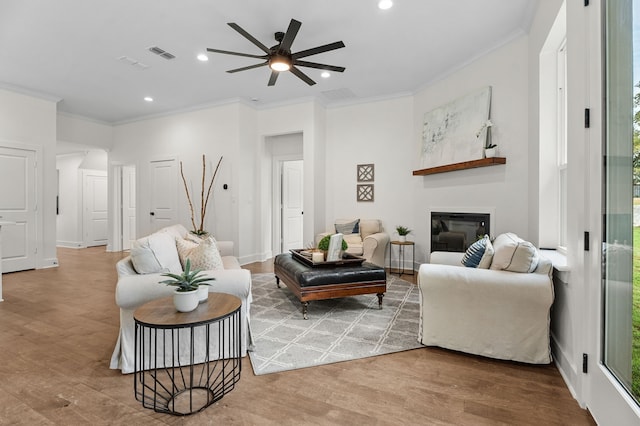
(69, 49)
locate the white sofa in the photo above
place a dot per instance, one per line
(370, 241)
(489, 312)
(134, 289)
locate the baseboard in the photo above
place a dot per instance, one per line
(51, 262)
(256, 257)
(567, 369)
(70, 244)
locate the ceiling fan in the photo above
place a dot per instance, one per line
(279, 57)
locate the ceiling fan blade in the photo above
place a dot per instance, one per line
(302, 76)
(273, 78)
(319, 66)
(226, 52)
(319, 49)
(249, 67)
(248, 36)
(290, 35)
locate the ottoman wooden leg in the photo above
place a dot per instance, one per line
(305, 305)
(277, 281)
(380, 296)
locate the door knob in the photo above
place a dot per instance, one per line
(152, 213)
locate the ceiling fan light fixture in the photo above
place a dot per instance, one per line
(280, 63)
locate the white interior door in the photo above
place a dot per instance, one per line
(94, 207)
(128, 206)
(164, 184)
(292, 209)
(18, 205)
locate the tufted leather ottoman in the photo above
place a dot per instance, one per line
(329, 282)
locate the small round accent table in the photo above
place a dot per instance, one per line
(186, 361)
(400, 270)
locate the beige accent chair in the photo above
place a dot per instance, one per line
(371, 242)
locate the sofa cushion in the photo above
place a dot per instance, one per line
(155, 253)
(203, 256)
(514, 254)
(479, 254)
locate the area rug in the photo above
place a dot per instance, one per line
(337, 329)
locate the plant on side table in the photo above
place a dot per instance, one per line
(186, 296)
(402, 231)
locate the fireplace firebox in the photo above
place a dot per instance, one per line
(452, 231)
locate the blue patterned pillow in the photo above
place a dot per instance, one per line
(474, 253)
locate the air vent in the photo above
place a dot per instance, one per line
(133, 62)
(338, 94)
(161, 52)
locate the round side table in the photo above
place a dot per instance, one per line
(185, 362)
(400, 270)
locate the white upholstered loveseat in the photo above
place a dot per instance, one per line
(490, 312)
(368, 238)
(134, 289)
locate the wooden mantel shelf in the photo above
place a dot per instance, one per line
(485, 162)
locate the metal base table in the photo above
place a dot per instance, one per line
(185, 362)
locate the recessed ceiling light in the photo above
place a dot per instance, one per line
(385, 4)
(203, 58)
(148, 98)
(325, 74)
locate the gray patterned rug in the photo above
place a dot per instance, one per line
(337, 329)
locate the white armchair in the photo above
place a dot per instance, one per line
(370, 241)
(493, 313)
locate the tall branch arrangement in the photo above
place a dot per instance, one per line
(204, 201)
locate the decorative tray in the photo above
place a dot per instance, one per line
(304, 256)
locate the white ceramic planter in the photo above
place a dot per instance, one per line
(489, 152)
(185, 301)
(402, 238)
(203, 293)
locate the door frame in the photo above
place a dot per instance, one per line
(604, 396)
(276, 197)
(115, 174)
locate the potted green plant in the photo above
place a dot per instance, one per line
(186, 296)
(323, 245)
(402, 231)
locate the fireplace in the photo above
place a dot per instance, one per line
(452, 231)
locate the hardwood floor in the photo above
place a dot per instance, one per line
(58, 328)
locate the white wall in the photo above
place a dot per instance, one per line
(378, 133)
(31, 122)
(504, 188)
(214, 132)
(84, 131)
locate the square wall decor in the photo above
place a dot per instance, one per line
(365, 172)
(365, 192)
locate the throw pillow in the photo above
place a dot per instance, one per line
(204, 256)
(487, 257)
(346, 228)
(475, 253)
(514, 254)
(155, 253)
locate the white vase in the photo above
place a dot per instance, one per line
(203, 293)
(185, 301)
(402, 238)
(490, 152)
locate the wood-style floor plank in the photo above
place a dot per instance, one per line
(58, 328)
